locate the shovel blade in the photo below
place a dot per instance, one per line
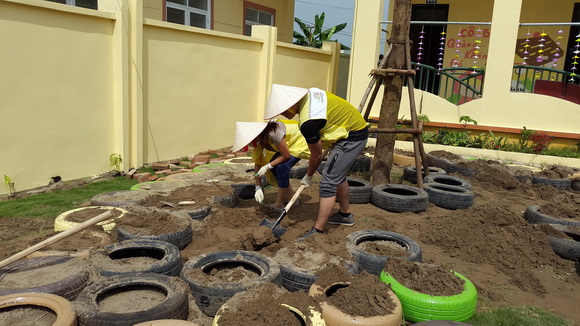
(277, 229)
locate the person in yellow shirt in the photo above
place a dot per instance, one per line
(278, 146)
(325, 120)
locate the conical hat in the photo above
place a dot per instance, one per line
(282, 97)
(246, 132)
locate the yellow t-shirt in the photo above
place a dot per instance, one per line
(341, 118)
(294, 139)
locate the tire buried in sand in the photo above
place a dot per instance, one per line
(449, 197)
(449, 180)
(374, 263)
(67, 286)
(175, 304)
(166, 256)
(210, 296)
(399, 198)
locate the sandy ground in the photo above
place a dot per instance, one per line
(509, 260)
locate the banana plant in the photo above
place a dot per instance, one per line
(313, 36)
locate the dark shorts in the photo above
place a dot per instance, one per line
(340, 160)
(282, 171)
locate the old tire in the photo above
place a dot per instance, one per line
(244, 190)
(410, 173)
(119, 198)
(298, 172)
(558, 183)
(61, 222)
(211, 297)
(419, 307)
(199, 214)
(180, 238)
(298, 279)
(361, 164)
(565, 248)
(448, 180)
(62, 308)
(312, 318)
(167, 322)
(532, 215)
(449, 197)
(175, 306)
(359, 191)
(373, 263)
(436, 161)
(335, 317)
(68, 287)
(451, 167)
(399, 198)
(229, 200)
(167, 255)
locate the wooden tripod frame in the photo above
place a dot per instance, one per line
(416, 126)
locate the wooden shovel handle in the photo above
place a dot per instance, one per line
(56, 237)
(291, 202)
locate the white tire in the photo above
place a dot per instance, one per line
(61, 222)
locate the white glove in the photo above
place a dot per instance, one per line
(259, 194)
(263, 170)
(307, 181)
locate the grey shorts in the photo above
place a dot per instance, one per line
(338, 164)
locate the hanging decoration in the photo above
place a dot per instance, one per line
(441, 49)
(420, 52)
(540, 57)
(542, 41)
(476, 50)
(575, 58)
(526, 48)
(457, 49)
(556, 56)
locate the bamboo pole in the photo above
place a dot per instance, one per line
(56, 238)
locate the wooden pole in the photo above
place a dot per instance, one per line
(55, 238)
(393, 86)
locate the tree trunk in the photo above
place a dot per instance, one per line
(393, 83)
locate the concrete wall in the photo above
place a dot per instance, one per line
(79, 85)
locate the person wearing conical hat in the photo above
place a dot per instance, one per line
(278, 146)
(324, 120)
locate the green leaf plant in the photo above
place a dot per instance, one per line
(313, 36)
(8, 182)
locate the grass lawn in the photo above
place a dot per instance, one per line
(51, 204)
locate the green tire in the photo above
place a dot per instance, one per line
(205, 167)
(139, 186)
(419, 306)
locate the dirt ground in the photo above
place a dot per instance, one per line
(509, 260)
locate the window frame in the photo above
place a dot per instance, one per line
(258, 8)
(187, 10)
(73, 3)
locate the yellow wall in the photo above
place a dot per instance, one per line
(295, 64)
(56, 92)
(79, 85)
(195, 85)
(228, 15)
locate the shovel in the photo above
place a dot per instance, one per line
(275, 226)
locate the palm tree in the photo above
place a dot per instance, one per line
(315, 38)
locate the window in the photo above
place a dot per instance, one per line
(189, 12)
(90, 4)
(257, 15)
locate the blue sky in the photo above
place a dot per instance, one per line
(336, 12)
